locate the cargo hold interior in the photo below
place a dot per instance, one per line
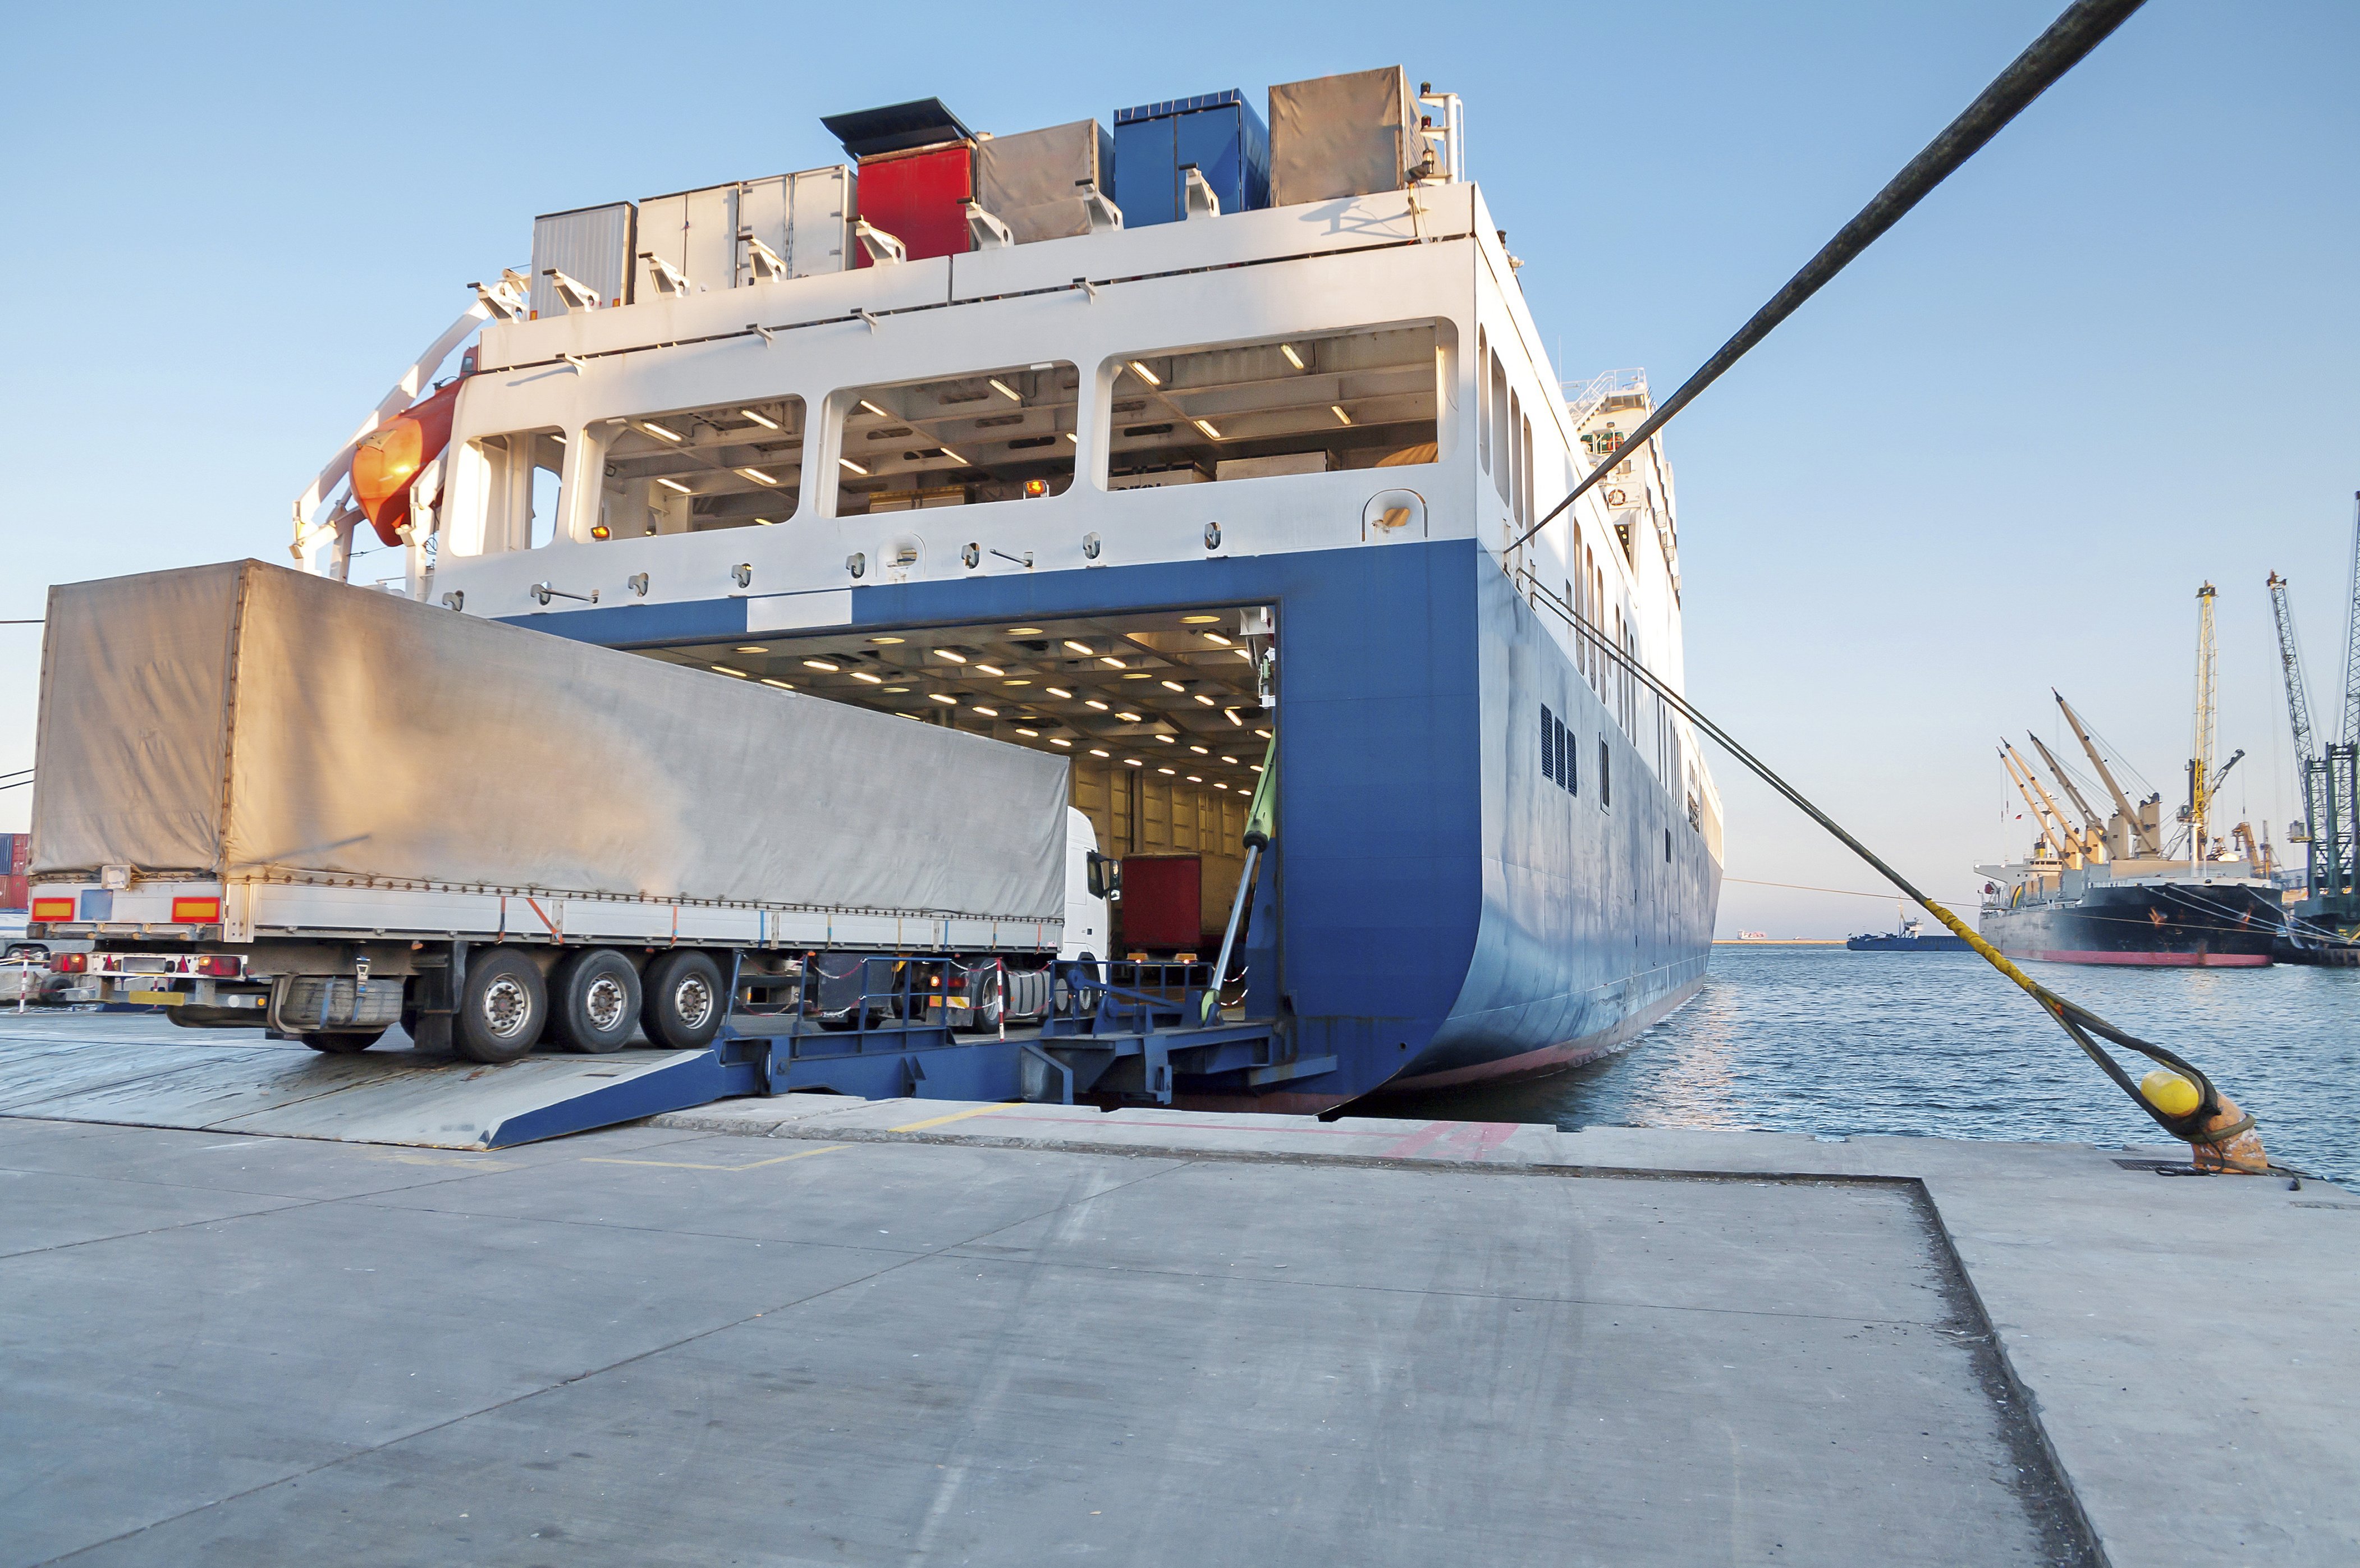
(1159, 713)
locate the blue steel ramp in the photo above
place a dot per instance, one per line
(141, 1072)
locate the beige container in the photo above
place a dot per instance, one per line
(1342, 136)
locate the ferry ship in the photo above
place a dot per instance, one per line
(1201, 446)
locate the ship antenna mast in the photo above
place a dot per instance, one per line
(2139, 833)
(2200, 762)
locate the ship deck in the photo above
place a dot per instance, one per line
(819, 1329)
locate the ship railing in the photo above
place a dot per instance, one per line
(1581, 400)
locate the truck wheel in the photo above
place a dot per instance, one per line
(501, 1008)
(683, 1007)
(595, 1004)
(346, 1044)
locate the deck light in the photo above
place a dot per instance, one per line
(942, 697)
(765, 522)
(1216, 638)
(863, 676)
(750, 647)
(757, 477)
(1132, 762)
(1126, 716)
(1019, 681)
(989, 669)
(987, 713)
(1174, 772)
(1146, 374)
(1194, 778)
(1172, 686)
(1338, 409)
(1024, 631)
(1220, 786)
(675, 485)
(1232, 714)
(1167, 740)
(1096, 751)
(1022, 731)
(1138, 675)
(779, 684)
(956, 457)
(897, 691)
(1072, 437)
(822, 664)
(885, 640)
(655, 429)
(1005, 390)
(1058, 692)
(952, 654)
(875, 409)
(725, 670)
(1206, 426)
(1094, 703)
(1257, 767)
(1080, 647)
(1293, 358)
(1059, 740)
(1111, 661)
(1200, 751)
(1264, 734)
(1202, 698)
(764, 421)
(1230, 760)
(853, 466)
(1198, 620)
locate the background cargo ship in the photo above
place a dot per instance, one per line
(1139, 449)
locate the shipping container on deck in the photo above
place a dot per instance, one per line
(1034, 181)
(1333, 137)
(595, 247)
(716, 237)
(917, 174)
(15, 859)
(1218, 131)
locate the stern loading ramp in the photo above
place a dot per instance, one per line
(151, 1074)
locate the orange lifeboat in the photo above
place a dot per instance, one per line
(388, 460)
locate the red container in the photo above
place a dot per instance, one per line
(16, 858)
(918, 197)
(1161, 895)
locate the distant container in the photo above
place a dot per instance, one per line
(1333, 137)
(1162, 899)
(15, 857)
(595, 247)
(1218, 131)
(1034, 181)
(724, 237)
(917, 174)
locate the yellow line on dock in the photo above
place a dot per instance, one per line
(954, 1117)
(687, 1165)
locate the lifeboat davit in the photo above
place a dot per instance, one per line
(388, 460)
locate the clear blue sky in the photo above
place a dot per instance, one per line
(2114, 356)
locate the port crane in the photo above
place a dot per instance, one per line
(2330, 776)
(2200, 762)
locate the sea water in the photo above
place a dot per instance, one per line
(1824, 1040)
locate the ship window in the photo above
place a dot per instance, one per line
(1549, 745)
(1519, 435)
(1570, 748)
(961, 440)
(1605, 775)
(1483, 399)
(733, 465)
(1500, 427)
(505, 491)
(1525, 474)
(1309, 403)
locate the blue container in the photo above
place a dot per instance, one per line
(1218, 131)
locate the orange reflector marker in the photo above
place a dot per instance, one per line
(53, 908)
(196, 911)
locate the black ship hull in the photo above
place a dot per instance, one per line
(2200, 926)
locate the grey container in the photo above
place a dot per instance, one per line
(247, 722)
(1034, 181)
(593, 246)
(710, 237)
(1342, 135)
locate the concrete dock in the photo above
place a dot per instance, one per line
(812, 1329)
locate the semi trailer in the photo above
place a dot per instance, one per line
(269, 798)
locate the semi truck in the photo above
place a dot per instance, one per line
(270, 799)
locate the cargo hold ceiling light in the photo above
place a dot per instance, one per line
(757, 477)
(1059, 740)
(1111, 661)
(1173, 686)
(764, 421)
(1199, 620)
(952, 654)
(1024, 631)
(1338, 409)
(884, 640)
(655, 429)
(1094, 703)
(853, 466)
(1058, 692)
(674, 485)
(1081, 648)
(1146, 374)
(987, 713)
(725, 670)
(1096, 751)
(779, 684)
(1216, 638)
(1004, 389)
(822, 664)
(989, 669)
(954, 457)
(750, 647)
(1205, 425)
(942, 697)
(1293, 358)
(875, 409)
(863, 675)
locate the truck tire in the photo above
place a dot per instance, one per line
(595, 1004)
(683, 1004)
(501, 1009)
(349, 1043)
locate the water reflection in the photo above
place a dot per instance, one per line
(1817, 1039)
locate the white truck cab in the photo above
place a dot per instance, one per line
(1089, 879)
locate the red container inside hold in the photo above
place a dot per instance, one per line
(1160, 899)
(918, 197)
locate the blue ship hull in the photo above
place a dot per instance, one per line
(1437, 909)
